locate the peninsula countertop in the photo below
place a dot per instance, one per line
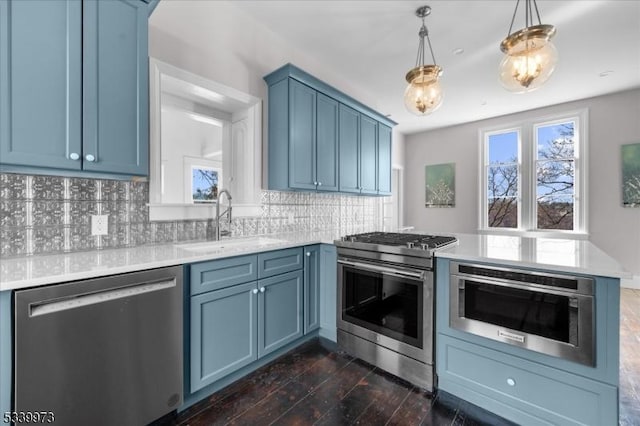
(552, 254)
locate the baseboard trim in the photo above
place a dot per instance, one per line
(631, 282)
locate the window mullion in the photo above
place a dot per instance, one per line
(528, 172)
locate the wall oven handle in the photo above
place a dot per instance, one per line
(420, 275)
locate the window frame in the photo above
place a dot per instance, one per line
(527, 179)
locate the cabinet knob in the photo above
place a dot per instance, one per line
(319, 183)
(511, 382)
(74, 156)
(308, 254)
(90, 158)
(315, 183)
(254, 291)
(262, 289)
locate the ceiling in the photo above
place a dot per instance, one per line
(372, 44)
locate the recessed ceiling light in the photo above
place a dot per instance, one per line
(458, 51)
(605, 73)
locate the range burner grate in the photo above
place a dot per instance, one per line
(401, 239)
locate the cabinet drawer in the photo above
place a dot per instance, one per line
(222, 273)
(523, 386)
(278, 262)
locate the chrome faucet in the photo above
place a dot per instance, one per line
(218, 214)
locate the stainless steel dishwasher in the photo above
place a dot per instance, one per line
(104, 351)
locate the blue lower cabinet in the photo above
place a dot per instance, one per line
(280, 311)
(525, 386)
(224, 333)
(280, 261)
(312, 276)
(525, 392)
(328, 306)
(236, 319)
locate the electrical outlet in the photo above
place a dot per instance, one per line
(99, 224)
(290, 219)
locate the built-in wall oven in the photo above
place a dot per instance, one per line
(386, 302)
(548, 313)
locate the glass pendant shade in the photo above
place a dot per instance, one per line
(423, 95)
(530, 58)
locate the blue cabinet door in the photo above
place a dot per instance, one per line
(224, 333)
(328, 291)
(384, 160)
(40, 83)
(349, 142)
(279, 311)
(302, 136)
(115, 87)
(327, 143)
(368, 155)
(312, 275)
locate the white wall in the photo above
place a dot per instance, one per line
(218, 41)
(614, 120)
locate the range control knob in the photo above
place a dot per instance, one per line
(352, 239)
(409, 244)
(424, 246)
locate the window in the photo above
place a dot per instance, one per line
(533, 176)
(204, 184)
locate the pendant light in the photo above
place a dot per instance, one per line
(423, 95)
(530, 57)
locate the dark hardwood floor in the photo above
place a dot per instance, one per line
(314, 384)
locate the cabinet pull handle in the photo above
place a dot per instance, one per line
(511, 382)
(262, 289)
(254, 291)
(91, 158)
(74, 156)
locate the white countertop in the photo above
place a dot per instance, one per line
(543, 253)
(31, 271)
(552, 254)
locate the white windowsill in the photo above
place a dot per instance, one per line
(569, 235)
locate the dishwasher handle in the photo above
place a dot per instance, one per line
(80, 300)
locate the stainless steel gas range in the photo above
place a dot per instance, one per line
(386, 301)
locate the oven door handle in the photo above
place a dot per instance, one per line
(385, 270)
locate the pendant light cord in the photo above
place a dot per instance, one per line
(528, 14)
(424, 32)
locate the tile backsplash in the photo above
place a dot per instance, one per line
(47, 214)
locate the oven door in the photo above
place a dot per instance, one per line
(388, 305)
(553, 322)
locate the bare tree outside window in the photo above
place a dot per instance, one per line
(555, 172)
(503, 193)
(204, 185)
(535, 175)
(502, 180)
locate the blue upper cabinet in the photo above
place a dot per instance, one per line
(327, 144)
(368, 156)
(349, 138)
(79, 70)
(40, 83)
(116, 90)
(321, 139)
(302, 136)
(384, 160)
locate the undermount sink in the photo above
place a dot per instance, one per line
(211, 246)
